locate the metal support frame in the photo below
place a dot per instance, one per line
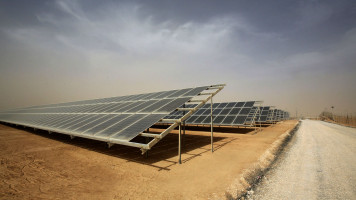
(146, 154)
(180, 145)
(270, 115)
(260, 118)
(178, 122)
(211, 125)
(252, 123)
(183, 139)
(259, 113)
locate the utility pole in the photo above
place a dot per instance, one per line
(332, 112)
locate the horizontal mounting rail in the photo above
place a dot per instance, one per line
(150, 135)
(196, 101)
(169, 120)
(184, 109)
(206, 93)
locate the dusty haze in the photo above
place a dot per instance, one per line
(298, 55)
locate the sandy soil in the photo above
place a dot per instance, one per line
(38, 165)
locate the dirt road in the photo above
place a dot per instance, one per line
(319, 163)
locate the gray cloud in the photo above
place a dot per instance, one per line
(286, 53)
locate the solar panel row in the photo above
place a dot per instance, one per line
(275, 115)
(121, 119)
(229, 113)
(116, 118)
(262, 116)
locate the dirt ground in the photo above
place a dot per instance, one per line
(38, 165)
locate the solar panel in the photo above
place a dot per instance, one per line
(275, 115)
(262, 116)
(271, 115)
(281, 115)
(228, 113)
(114, 120)
(251, 117)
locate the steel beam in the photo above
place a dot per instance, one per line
(180, 145)
(211, 124)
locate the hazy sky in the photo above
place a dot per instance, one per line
(291, 54)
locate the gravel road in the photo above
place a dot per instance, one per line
(318, 163)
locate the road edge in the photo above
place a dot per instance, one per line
(344, 125)
(253, 174)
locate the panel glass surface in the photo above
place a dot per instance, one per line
(122, 117)
(137, 127)
(223, 113)
(120, 125)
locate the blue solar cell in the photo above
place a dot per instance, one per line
(240, 120)
(207, 112)
(228, 119)
(249, 104)
(118, 126)
(235, 111)
(166, 94)
(215, 105)
(206, 105)
(138, 126)
(200, 119)
(173, 104)
(218, 119)
(245, 111)
(230, 105)
(195, 91)
(104, 125)
(222, 105)
(154, 107)
(225, 111)
(94, 122)
(216, 111)
(82, 122)
(191, 119)
(207, 120)
(142, 106)
(199, 112)
(240, 104)
(179, 93)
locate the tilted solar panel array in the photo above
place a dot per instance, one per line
(278, 114)
(262, 116)
(286, 115)
(275, 115)
(251, 118)
(270, 116)
(229, 113)
(108, 119)
(283, 115)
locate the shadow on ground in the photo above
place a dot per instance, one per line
(162, 156)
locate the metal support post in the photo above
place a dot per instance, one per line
(183, 139)
(211, 123)
(147, 140)
(179, 145)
